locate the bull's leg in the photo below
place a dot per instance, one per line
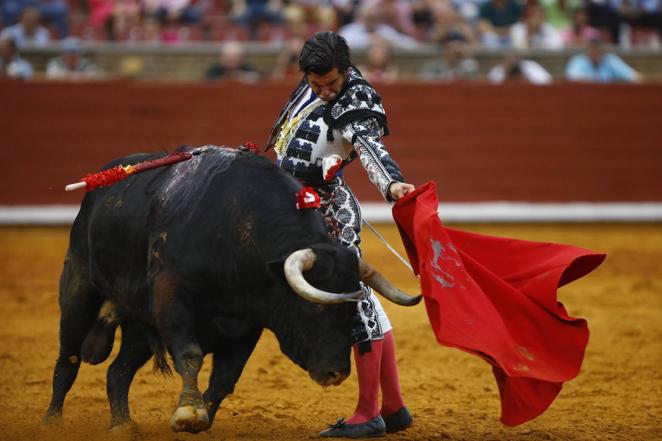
(229, 361)
(175, 321)
(191, 413)
(134, 352)
(79, 305)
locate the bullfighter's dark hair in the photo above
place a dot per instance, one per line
(324, 51)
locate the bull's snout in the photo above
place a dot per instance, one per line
(329, 378)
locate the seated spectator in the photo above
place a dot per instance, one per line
(448, 22)
(346, 11)
(252, 13)
(496, 18)
(369, 26)
(513, 69)
(469, 10)
(175, 11)
(533, 32)
(10, 11)
(380, 67)
(287, 63)
(422, 16)
(596, 65)
(454, 64)
(150, 32)
(398, 15)
(171, 31)
(157, 30)
(71, 65)
(232, 66)
(28, 31)
(643, 15)
(558, 13)
(579, 32)
(605, 17)
(115, 17)
(303, 15)
(11, 64)
(55, 12)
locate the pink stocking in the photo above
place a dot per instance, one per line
(391, 398)
(367, 370)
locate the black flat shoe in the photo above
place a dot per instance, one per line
(374, 427)
(398, 420)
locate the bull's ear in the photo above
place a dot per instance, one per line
(277, 269)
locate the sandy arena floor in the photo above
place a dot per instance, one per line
(617, 396)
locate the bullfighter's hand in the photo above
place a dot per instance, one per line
(399, 189)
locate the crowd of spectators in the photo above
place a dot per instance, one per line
(545, 24)
(458, 27)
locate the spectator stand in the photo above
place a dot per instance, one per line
(140, 51)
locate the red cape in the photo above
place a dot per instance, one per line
(496, 298)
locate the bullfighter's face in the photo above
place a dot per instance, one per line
(327, 86)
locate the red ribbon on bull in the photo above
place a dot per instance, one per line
(307, 197)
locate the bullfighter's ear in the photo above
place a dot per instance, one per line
(277, 269)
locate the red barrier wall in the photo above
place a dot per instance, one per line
(479, 142)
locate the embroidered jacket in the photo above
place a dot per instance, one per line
(312, 137)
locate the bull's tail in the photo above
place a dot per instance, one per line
(161, 365)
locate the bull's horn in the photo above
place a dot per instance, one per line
(376, 281)
(303, 260)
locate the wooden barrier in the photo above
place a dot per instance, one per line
(189, 61)
(479, 142)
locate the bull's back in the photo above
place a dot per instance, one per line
(120, 224)
(218, 207)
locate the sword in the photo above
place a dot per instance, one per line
(388, 245)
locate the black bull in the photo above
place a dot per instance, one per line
(199, 258)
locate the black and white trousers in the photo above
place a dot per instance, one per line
(342, 214)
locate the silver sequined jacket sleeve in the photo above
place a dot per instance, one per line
(366, 138)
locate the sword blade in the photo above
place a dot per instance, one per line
(388, 245)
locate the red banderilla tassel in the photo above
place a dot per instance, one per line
(114, 175)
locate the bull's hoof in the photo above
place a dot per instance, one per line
(51, 419)
(189, 419)
(127, 430)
